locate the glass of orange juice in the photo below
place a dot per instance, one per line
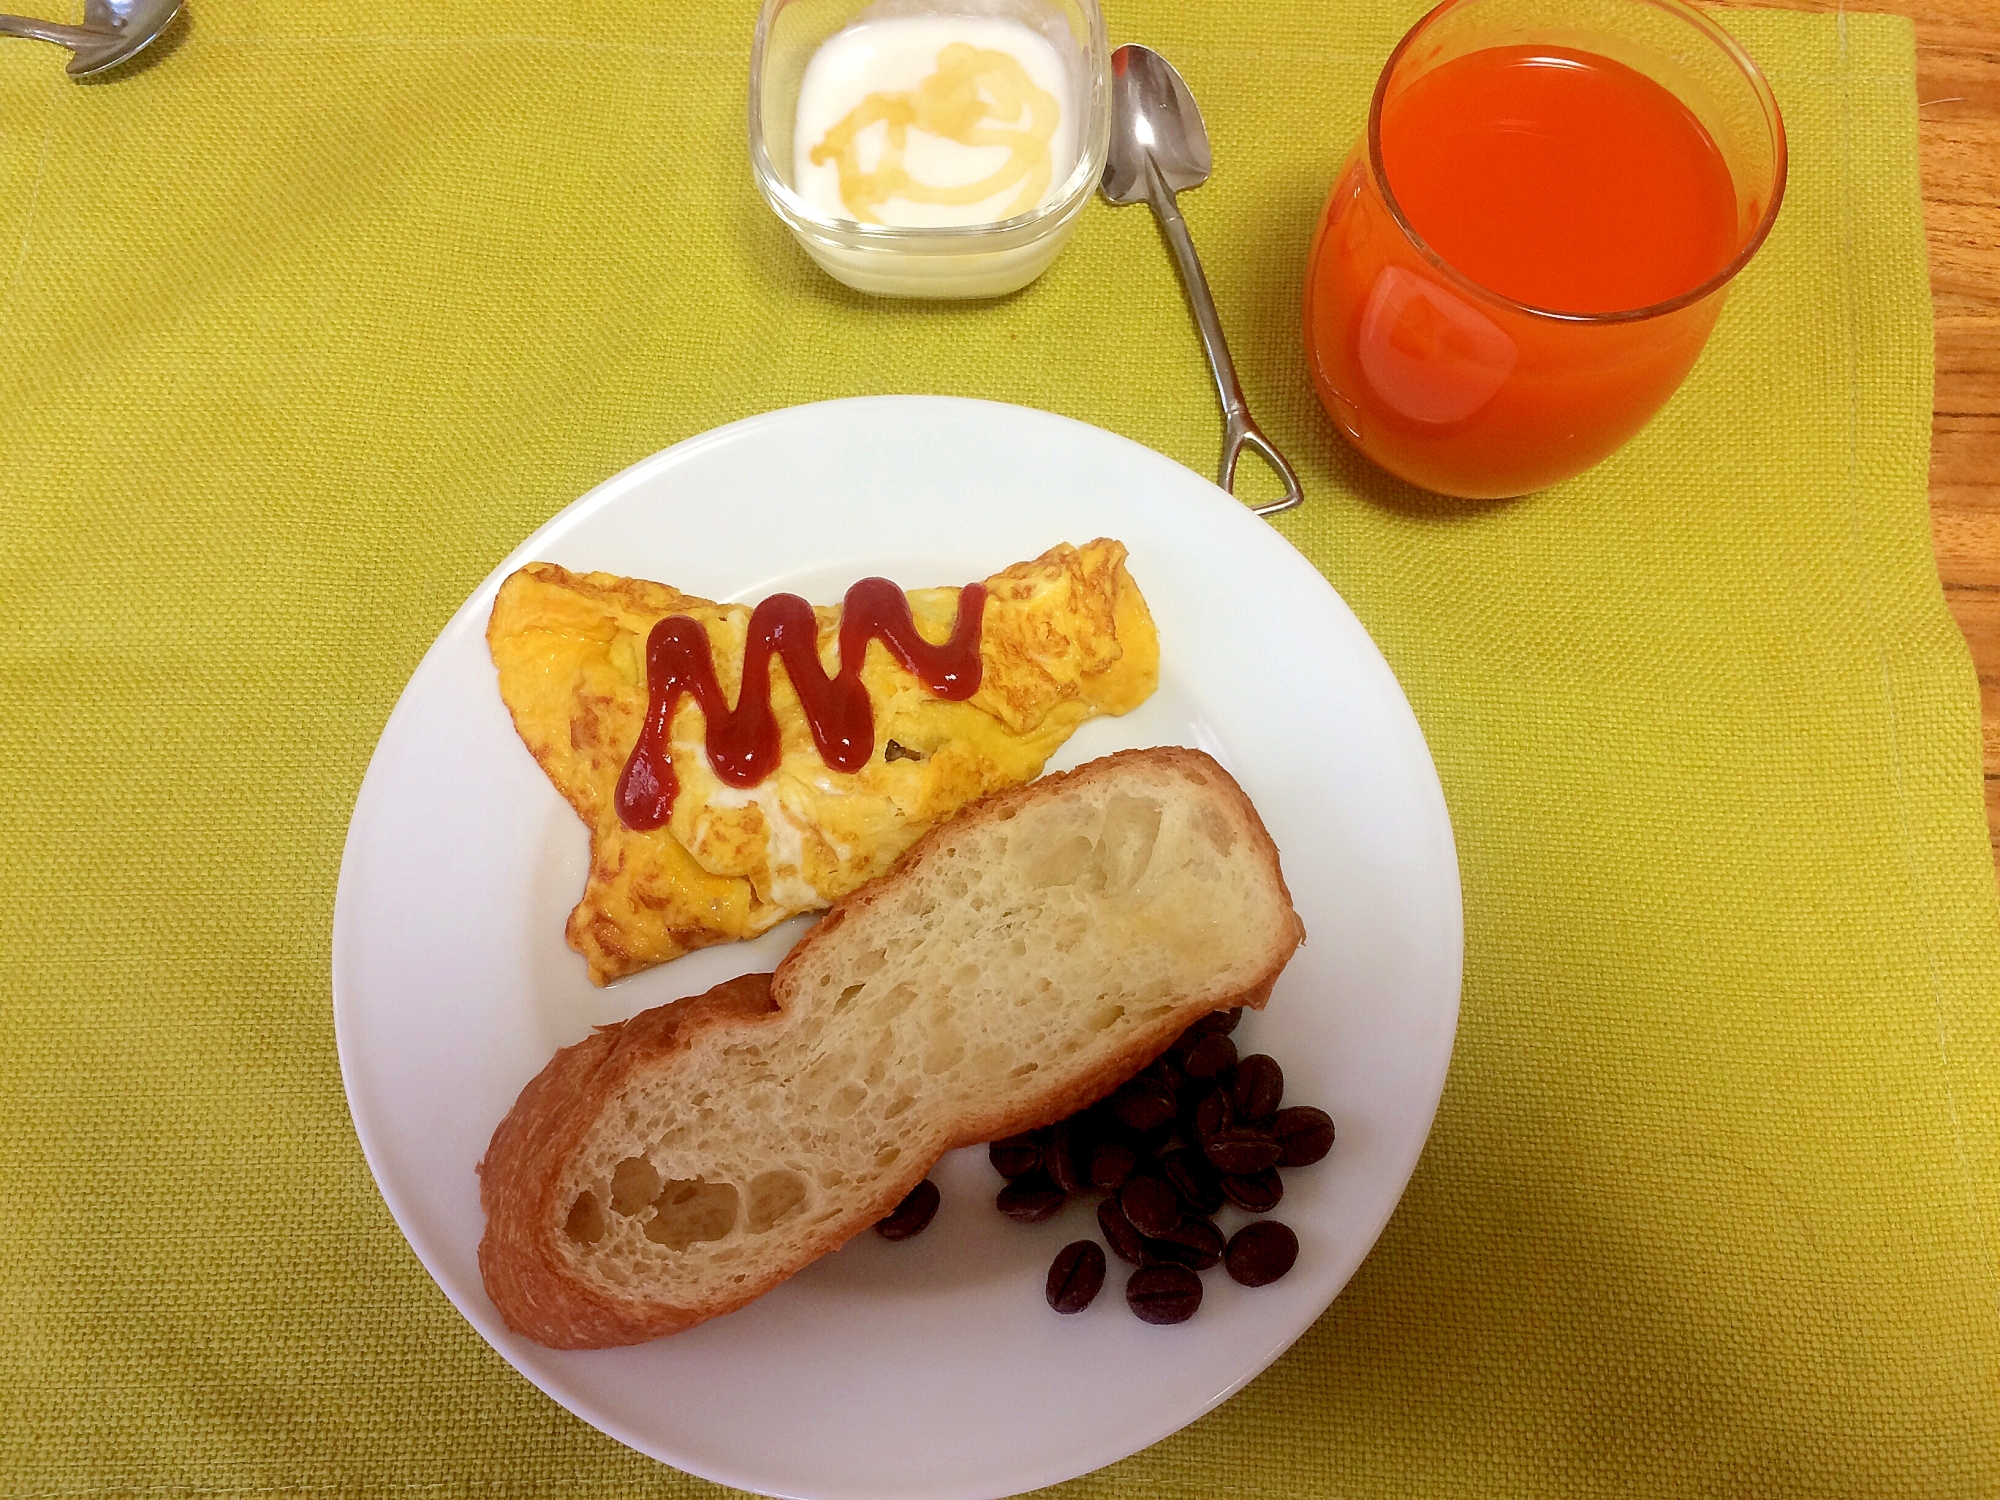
(1524, 254)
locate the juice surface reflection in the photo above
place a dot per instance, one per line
(1557, 179)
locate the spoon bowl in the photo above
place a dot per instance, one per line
(113, 31)
(1153, 118)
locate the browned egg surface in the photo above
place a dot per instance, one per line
(1066, 637)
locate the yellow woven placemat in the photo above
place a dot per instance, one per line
(303, 326)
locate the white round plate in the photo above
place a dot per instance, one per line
(931, 1368)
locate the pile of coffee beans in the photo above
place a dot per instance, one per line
(1198, 1128)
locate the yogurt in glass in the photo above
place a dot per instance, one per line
(929, 148)
(922, 121)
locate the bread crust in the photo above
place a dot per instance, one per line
(521, 1255)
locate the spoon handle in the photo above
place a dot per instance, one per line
(1238, 429)
(72, 37)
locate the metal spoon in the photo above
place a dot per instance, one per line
(1159, 148)
(112, 31)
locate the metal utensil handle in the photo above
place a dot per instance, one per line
(1238, 429)
(1240, 433)
(72, 37)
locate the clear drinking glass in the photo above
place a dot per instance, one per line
(1459, 389)
(974, 260)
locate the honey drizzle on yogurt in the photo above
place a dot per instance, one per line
(952, 105)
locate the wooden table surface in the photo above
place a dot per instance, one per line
(1958, 109)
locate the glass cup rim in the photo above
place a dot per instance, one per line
(1714, 34)
(1093, 149)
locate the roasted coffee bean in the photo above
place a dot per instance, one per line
(1164, 1069)
(1304, 1135)
(1151, 1205)
(1060, 1158)
(1163, 1294)
(1260, 1252)
(1086, 1128)
(1213, 1115)
(1257, 1193)
(1209, 1058)
(1152, 1142)
(1258, 1088)
(1143, 1144)
(1216, 1023)
(1144, 1104)
(1194, 1242)
(1016, 1156)
(1241, 1150)
(1188, 1172)
(1151, 1131)
(1125, 1241)
(1184, 1121)
(1076, 1276)
(1101, 1123)
(911, 1216)
(1031, 1199)
(1110, 1164)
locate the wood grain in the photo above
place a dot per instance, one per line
(1958, 111)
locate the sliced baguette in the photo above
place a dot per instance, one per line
(1017, 964)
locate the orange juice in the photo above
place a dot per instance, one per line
(1540, 274)
(1560, 179)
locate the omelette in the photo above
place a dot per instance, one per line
(1061, 639)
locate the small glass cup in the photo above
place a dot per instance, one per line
(972, 260)
(1459, 389)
